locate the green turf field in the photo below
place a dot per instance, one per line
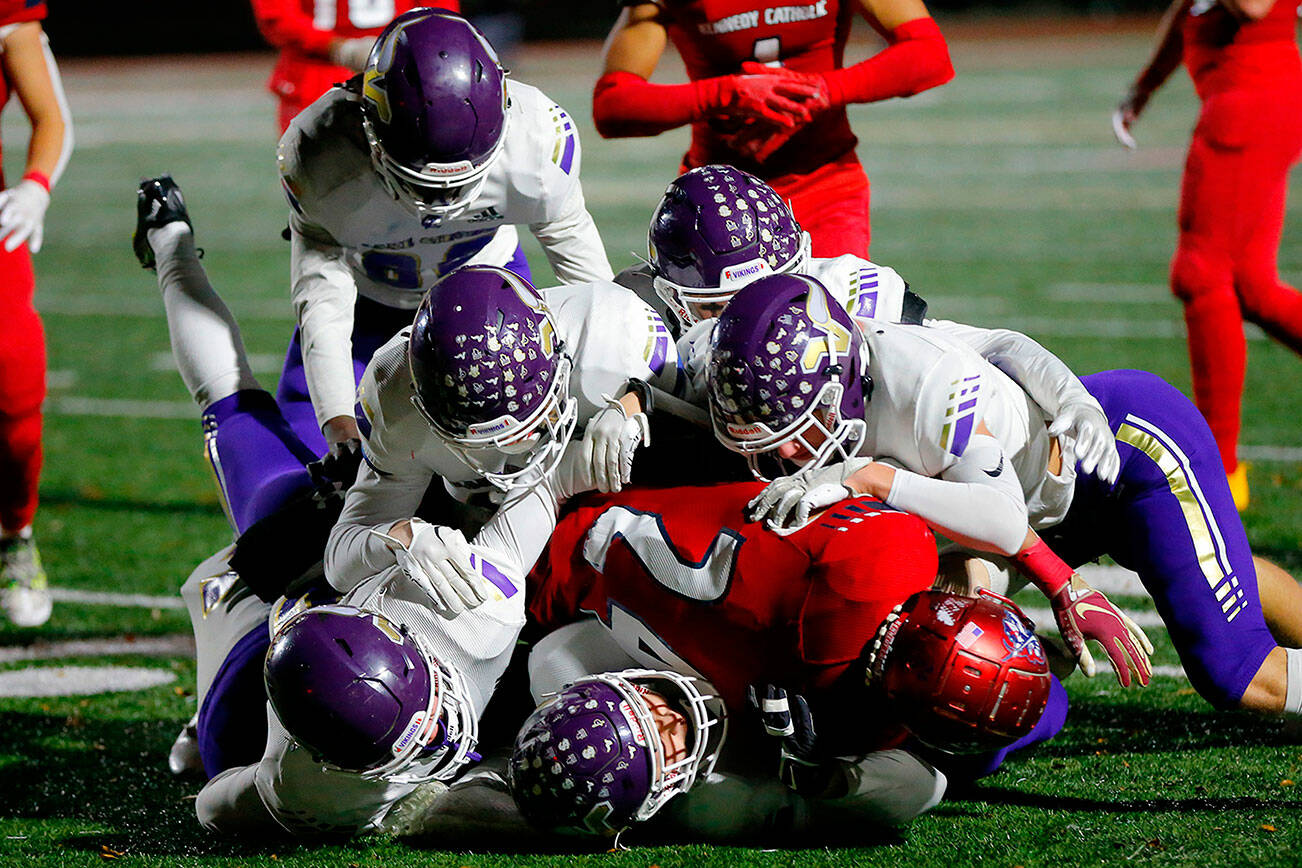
(1001, 198)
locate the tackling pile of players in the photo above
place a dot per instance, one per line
(750, 651)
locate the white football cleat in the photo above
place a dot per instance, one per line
(24, 589)
(183, 758)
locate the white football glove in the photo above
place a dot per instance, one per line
(787, 503)
(1121, 127)
(436, 570)
(352, 53)
(1095, 447)
(22, 215)
(609, 442)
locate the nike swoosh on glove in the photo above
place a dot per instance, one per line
(1084, 613)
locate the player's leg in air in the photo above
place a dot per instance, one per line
(1171, 518)
(260, 467)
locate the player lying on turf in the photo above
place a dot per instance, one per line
(266, 766)
(427, 161)
(678, 579)
(963, 674)
(963, 447)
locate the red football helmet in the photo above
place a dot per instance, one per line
(965, 674)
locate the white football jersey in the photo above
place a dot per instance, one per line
(392, 254)
(302, 794)
(351, 236)
(930, 391)
(610, 336)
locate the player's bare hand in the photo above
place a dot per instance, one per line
(1084, 614)
(1093, 443)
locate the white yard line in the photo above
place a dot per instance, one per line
(106, 598)
(80, 680)
(175, 645)
(260, 363)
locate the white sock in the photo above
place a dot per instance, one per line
(1293, 697)
(206, 341)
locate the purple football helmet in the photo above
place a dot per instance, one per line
(434, 110)
(365, 696)
(490, 374)
(786, 360)
(716, 229)
(590, 760)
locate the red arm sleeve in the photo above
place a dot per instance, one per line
(625, 104)
(285, 25)
(916, 59)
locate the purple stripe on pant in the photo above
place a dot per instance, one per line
(373, 325)
(1144, 526)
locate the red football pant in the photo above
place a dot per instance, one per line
(22, 389)
(831, 204)
(1231, 220)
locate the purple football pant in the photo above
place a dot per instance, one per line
(259, 464)
(1171, 519)
(232, 725)
(373, 325)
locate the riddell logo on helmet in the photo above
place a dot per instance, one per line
(489, 427)
(627, 710)
(746, 271)
(745, 432)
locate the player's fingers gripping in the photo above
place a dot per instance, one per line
(785, 510)
(469, 585)
(762, 504)
(774, 710)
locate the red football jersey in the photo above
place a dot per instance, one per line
(1224, 53)
(714, 37)
(680, 575)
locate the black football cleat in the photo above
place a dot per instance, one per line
(158, 202)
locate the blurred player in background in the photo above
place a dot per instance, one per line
(31, 73)
(1243, 58)
(768, 93)
(428, 162)
(322, 42)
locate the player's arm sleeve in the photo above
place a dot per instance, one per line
(567, 232)
(354, 551)
(229, 804)
(977, 500)
(916, 58)
(323, 292)
(1045, 377)
(285, 24)
(959, 480)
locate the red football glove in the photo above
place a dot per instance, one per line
(767, 97)
(1083, 613)
(813, 84)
